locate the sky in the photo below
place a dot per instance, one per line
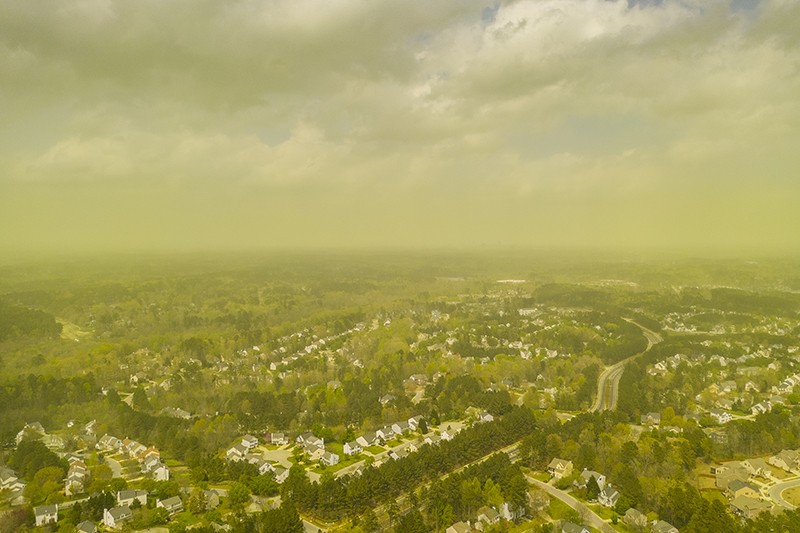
(206, 125)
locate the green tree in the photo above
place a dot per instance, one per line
(239, 494)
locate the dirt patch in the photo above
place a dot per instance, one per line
(72, 331)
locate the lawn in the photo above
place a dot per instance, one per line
(559, 510)
(792, 495)
(374, 450)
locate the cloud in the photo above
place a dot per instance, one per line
(550, 102)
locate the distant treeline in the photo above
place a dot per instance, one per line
(18, 321)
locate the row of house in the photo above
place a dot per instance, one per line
(77, 476)
(149, 458)
(12, 486)
(733, 478)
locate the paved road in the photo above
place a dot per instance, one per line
(587, 514)
(116, 468)
(608, 381)
(776, 490)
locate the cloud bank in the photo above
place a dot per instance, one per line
(189, 124)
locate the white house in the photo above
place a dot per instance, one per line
(249, 442)
(279, 439)
(400, 428)
(598, 477)
(367, 439)
(352, 448)
(127, 497)
(385, 433)
(608, 497)
(280, 474)
(172, 505)
(114, 518)
(329, 458)
(45, 514)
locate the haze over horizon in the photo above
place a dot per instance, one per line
(297, 124)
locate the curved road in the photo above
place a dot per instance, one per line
(776, 490)
(608, 381)
(587, 514)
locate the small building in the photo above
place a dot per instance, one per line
(664, 527)
(115, 517)
(635, 518)
(737, 488)
(459, 527)
(487, 516)
(45, 514)
(367, 439)
(279, 439)
(86, 527)
(249, 442)
(570, 527)
(651, 419)
(559, 468)
(329, 458)
(608, 497)
(588, 474)
(352, 448)
(172, 505)
(748, 507)
(127, 497)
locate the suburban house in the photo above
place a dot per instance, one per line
(511, 512)
(786, 459)
(722, 417)
(107, 442)
(757, 467)
(172, 505)
(114, 518)
(598, 477)
(280, 474)
(570, 527)
(329, 458)
(386, 433)
(559, 468)
(432, 440)
(45, 514)
(635, 518)
(651, 419)
(236, 453)
(314, 452)
(352, 448)
(459, 527)
(86, 527)
(486, 516)
(127, 497)
(485, 416)
(726, 477)
(414, 421)
(748, 507)
(367, 439)
(400, 428)
(738, 488)
(278, 439)
(211, 497)
(608, 497)
(249, 442)
(664, 527)
(309, 438)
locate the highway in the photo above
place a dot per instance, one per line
(608, 381)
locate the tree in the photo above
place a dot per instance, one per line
(592, 489)
(239, 494)
(197, 502)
